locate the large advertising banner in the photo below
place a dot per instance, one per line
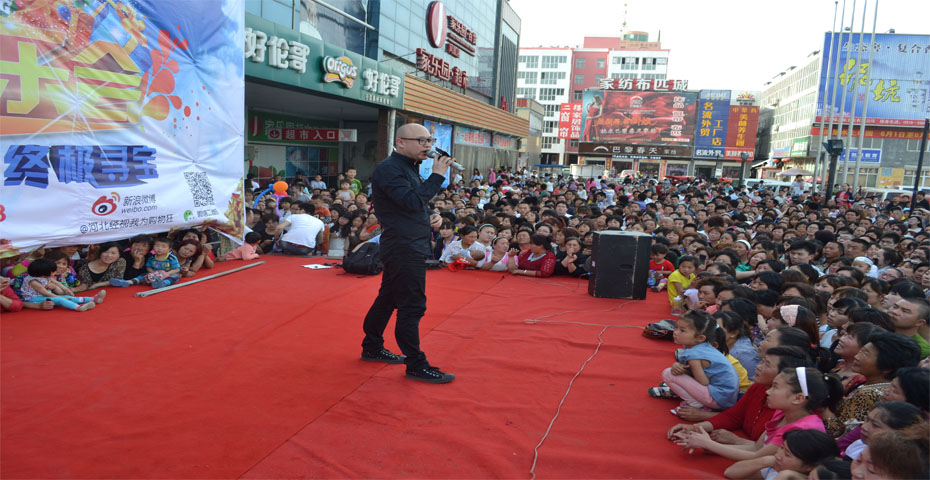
(654, 118)
(119, 118)
(713, 115)
(897, 92)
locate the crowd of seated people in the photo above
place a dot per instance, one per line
(46, 278)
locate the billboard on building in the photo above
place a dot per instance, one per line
(120, 119)
(650, 118)
(898, 91)
(726, 125)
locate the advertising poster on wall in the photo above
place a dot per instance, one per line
(894, 84)
(443, 135)
(890, 177)
(652, 118)
(122, 118)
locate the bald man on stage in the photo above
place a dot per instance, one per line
(400, 199)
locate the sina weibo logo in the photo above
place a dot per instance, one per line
(436, 24)
(105, 205)
(340, 70)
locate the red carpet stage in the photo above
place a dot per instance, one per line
(256, 374)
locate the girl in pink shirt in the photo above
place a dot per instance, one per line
(795, 394)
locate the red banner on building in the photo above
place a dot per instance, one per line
(871, 133)
(570, 121)
(741, 128)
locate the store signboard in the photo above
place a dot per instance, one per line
(279, 54)
(894, 84)
(634, 151)
(782, 152)
(869, 155)
(713, 115)
(273, 128)
(643, 84)
(570, 121)
(470, 136)
(799, 147)
(505, 142)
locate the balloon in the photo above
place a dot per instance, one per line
(280, 187)
(258, 197)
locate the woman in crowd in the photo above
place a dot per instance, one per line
(97, 272)
(876, 361)
(536, 260)
(570, 261)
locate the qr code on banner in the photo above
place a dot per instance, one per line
(202, 191)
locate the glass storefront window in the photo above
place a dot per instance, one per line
(732, 172)
(676, 169)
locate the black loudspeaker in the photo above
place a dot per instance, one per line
(620, 264)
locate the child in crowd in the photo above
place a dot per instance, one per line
(64, 273)
(660, 265)
(40, 285)
(702, 376)
(247, 251)
(720, 343)
(679, 281)
(345, 191)
(9, 300)
(795, 395)
(801, 452)
(162, 268)
(866, 266)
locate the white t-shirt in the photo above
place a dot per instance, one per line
(303, 230)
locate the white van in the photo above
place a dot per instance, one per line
(773, 185)
(882, 194)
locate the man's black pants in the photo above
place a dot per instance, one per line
(403, 288)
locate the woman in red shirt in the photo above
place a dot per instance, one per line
(535, 261)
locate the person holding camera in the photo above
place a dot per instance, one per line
(400, 199)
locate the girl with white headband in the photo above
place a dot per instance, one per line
(796, 395)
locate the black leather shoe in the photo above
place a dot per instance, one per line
(384, 355)
(429, 375)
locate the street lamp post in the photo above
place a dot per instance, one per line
(835, 149)
(742, 167)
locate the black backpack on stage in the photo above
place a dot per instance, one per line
(364, 261)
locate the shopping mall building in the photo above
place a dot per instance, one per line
(328, 82)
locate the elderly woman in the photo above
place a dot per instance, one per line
(535, 261)
(876, 361)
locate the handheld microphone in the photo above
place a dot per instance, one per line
(437, 152)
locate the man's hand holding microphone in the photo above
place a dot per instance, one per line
(442, 161)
